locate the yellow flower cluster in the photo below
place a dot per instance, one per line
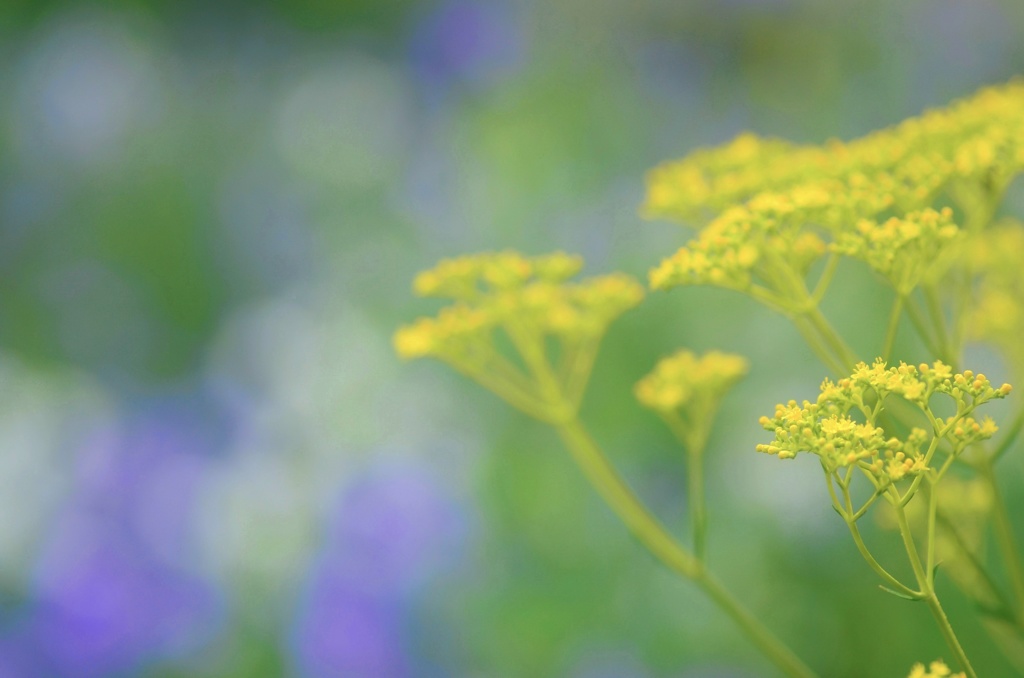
(937, 669)
(771, 204)
(497, 289)
(903, 249)
(841, 441)
(686, 389)
(826, 429)
(684, 379)
(998, 310)
(711, 179)
(467, 278)
(970, 138)
(916, 384)
(506, 303)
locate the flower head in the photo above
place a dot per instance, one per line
(769, 208)
(843, 427)
(684, 378)
(904, 250)
(686, 389)
(531, 301)
(937, 669)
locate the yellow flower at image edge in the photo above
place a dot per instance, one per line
(979, 137)
(937, 669)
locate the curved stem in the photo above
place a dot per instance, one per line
(863, 549)
(649, 531)
(877, 567)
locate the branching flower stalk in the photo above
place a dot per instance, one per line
(843, 429)
(875, 200)
(530, 302)
(915, 205)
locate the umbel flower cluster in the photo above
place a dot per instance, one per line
(530, 300)
(827, 428)
(686, 389)
(686, 380)
(768, 209)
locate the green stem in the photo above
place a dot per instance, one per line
(758, 633)
(514, 396)
(649, 531)
(698, 507)
(826, 278)
(842, 352)
(933, 508)
(877, 567)
(579, 371)
(862, 547)
(924, 580)
(894, 323)
(911, 548)
(693, 439)
(948, 635)
(922, 331)
(938, 317)
(814, 342)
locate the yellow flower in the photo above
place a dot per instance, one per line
(766, 205)
(827, 429)
(682, 378)
(530, 301)
(937, 669)
(686, 389)
(904, 250)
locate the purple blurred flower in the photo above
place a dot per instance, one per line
(346, 631)
(468, 42)
(16, 660)
(103, 607)
(113, 587)
(395, 527)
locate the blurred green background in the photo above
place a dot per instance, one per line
(211, 464)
